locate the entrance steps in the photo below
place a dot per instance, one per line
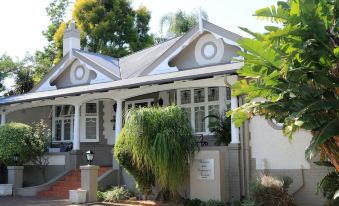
(71, 181)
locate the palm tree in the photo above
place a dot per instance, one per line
(179, 22)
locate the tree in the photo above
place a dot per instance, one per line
(6, 66)
(295, 68)
(112, 27)
(51, 53)
(161, 140)
(179, 22)
(23, 73)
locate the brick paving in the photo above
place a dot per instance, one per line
(36, 201)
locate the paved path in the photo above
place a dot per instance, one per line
(34, 201)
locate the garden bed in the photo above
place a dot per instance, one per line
(149, 203)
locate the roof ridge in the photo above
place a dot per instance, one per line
(154, 45)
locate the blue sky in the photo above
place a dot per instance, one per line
(22, 21)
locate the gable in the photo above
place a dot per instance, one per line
(80, 68)
(202, 46)
(75, 74)
(205, 50)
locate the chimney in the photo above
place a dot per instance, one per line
(71, 39)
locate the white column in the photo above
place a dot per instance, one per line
(76, 131)
(234, 130)
(118, 119)
(3, 118)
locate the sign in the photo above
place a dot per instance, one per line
(205, 169)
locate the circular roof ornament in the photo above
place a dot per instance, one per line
(79, 74)
(209, 50)
(275, 125)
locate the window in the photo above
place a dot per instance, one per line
(201, 102)
(139, 103)
(63, 123)
(90, 122)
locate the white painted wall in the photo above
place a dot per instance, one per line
(273, 150)
(53, 160)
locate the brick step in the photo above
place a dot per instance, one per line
(72, 181)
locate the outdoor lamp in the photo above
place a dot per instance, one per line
(89, 156)
(16, 158)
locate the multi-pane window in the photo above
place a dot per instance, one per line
(91, 121)
(63, 123)
(139, 103)
(201, 102)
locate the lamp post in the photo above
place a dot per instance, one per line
(89, 156)
(89, 178)
(16, 159)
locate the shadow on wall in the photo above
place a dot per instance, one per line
(3, 174)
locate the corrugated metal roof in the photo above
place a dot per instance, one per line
(109, 63)
(132, 64)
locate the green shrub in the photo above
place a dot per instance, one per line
(100, 195)
(220, 126)
(15, 138)
(193, 202)
(116, 194)
(268, 191)
(159, 140)
(328, 186)
(248, 203)
(143, 176)
(214, 203)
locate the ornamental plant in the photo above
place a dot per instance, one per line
(161, 140)
(294, 68)
(15, 138)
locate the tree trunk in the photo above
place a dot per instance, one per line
(331, 155)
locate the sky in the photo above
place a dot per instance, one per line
(22, 21)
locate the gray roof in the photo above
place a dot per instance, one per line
(131, 65)
(125, 83)
(131, 70)
(109, 63)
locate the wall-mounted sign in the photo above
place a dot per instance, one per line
(204, 169)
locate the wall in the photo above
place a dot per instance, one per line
(28, 116)
(275, 155)
(275, 149)
(59, 163)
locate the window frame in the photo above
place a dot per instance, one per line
(62, 118)
(83, 122)
(223, 103)
(133, 102)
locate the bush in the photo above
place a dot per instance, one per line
(159, 142)
(267, 191)
(143, 176)
(328, 187)
(15, 138)
(198, 202)
(116, 194)
(100, 195)
(214, 203)
(193, 202)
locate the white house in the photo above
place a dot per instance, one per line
(84, 97)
